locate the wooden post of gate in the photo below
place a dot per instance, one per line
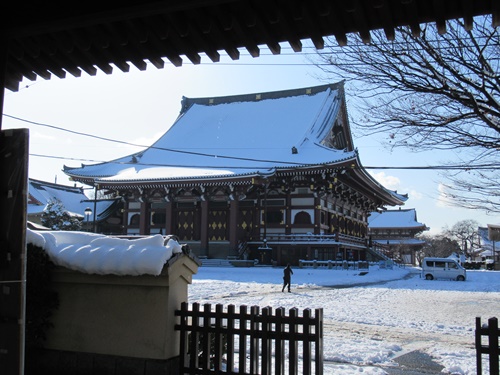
(306, 330)
(13, 201)
(492, 349)
(318, 349)
(243, 337)
(206, 340)
(195, 334)
(254, 342)
(493, 345)
(279, 348)
(230, 338)
(266, 340)
(293, 347)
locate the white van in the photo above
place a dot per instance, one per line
(442, 268)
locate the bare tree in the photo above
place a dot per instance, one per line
(465, 232)
(437, 246)
(432, 91)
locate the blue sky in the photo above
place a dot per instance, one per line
(138, 107)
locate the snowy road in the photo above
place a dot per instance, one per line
(367, 327)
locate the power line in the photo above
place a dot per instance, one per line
(492, 166)
(436, 167)
(151, 147)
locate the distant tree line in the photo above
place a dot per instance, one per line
(461, 238)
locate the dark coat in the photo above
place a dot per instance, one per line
(287, 273)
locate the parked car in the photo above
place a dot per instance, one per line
(443, 268)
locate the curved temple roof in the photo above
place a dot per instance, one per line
(73, 199)
(235, 136)
(239, 137)
(395, 219)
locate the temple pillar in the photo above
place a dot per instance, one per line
(169, 209)
(288, 213)
(204, 227)
(144, 218)
(125, 218)
(317, 215)
(234, 206)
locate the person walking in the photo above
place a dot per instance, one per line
(287, 277)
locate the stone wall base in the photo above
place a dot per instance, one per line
(56, 362)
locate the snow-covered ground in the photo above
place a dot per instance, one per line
(369, 319)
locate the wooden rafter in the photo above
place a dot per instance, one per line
(45, 40)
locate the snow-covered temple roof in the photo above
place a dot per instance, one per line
(233, 139)
(234, 136)
(394, 219)
(72, 198)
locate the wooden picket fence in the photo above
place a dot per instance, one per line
(250, 340)
(490, 331)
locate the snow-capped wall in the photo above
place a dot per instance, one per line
(103, 255)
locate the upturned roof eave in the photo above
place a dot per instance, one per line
(419, 226)
(102, 179)
(389, 197)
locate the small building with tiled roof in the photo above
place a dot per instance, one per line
(75, 202)
(394, 232)
(489, 245)
(270, 176)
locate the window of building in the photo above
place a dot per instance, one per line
(274, 217)
(302, 217)
(134, 220)
(158, 218)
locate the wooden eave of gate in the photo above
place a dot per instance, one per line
(45, 41)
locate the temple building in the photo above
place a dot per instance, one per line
(268, 176)
(98, 215)
(394, 233)
(489, 246)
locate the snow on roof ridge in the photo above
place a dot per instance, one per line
(401, 218)
(186, 102)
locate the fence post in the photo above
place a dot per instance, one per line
(230, 338)
(292, 346)
(479, 363)
(206, 340)
(243, 337)
(254, 341)
(306, 346)
(183, 327)
(318, 354)
(219, 337)
(193, 345)
(266, 329)
(493, 345)
(279, 347)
